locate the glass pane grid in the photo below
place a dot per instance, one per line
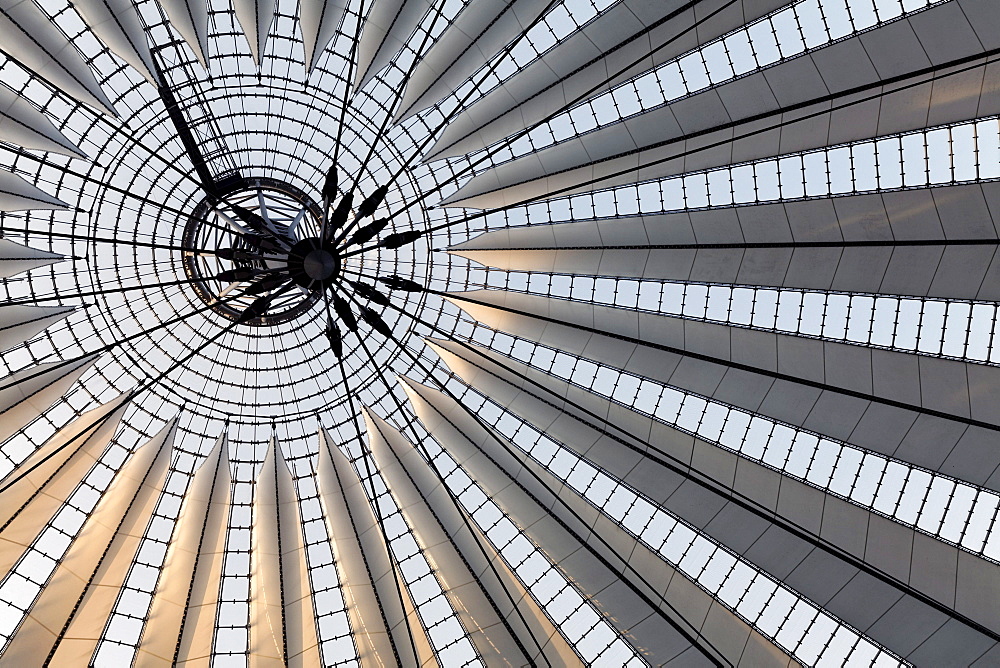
(900, 491)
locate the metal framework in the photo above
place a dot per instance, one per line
(506, 332)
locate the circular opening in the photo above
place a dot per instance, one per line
(224, 259)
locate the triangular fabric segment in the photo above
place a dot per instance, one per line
(21, 322)
(117, 23)
(255, 17)
(318, 20)
(38, 45)
(190, 19)
(16, 194)
(24, 125)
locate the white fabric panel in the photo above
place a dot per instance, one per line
(16, 194)
(492, 639)
(300, 618)
(362, 561)
(465, 439)
(181, 618)
(190, 19)
(40, 484)
(106, 543)
(318, 20)
(24, 400)
(267, 632)
(282, 622)
(477, 34)
(199, 624)
(255, 17)
(117, 23)
(939, 214)
(15, 258)
(21, 322)
(412, 478)
(388, 25)
(37, 44)
(24, 125)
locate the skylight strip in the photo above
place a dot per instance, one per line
(563, 20)
(581, 624)
(959, 329)
(333, 627)
(949, 509)
(448, 637)
(956, 153)
(124, 627)
(231, 644)
(787, 33)
(737, 583)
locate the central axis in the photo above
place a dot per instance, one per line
(313, 264)
(270, 254)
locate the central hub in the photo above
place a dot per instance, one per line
(313, 264)
(261, 252)
(319, 265)
(242, 258)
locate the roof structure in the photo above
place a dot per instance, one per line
(499, 333)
